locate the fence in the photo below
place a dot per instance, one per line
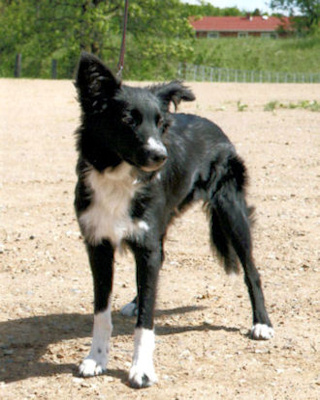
(18, 67)
(202, 73)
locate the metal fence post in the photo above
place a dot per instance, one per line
(17, 66)
(54, 69)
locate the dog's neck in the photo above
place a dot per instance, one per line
(100, 162)
(136, 174)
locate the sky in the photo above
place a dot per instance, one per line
(247, 5)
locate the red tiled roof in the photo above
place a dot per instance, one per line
(247, 24)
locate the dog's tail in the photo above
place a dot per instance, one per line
(230, 217)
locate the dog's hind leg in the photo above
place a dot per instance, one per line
(148, 260)
(231, 235)
(101, 262)
(130, 309)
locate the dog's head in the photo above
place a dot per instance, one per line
(129, 123)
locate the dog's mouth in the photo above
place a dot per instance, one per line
(149, 158)
(154, 166)
(153, 157)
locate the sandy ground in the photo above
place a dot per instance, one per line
(203, 317)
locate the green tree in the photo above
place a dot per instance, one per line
(207, 9)
(159, 36)
(308, 9)
(44, 29)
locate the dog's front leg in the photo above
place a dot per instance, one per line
(101, 262)
(148, 260)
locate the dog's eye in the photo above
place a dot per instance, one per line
(128, 120)
(159, 121)
(132, 118)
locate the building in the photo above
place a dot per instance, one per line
(258, 26)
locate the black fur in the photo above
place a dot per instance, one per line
(189, 159)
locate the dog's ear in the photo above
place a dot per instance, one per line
(174, 92)
(95, 83)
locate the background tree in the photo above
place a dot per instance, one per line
(308, 12)
(158, 33)
(46, 29)
(256, 13)
(207, 9)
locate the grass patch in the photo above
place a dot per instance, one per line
(271, 106)
(292, 55)
(311, 105)
(241, 107)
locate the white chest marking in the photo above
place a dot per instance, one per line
(108, 216)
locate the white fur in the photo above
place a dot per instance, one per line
(143, 226)
(142, 371)
(96, 362)
(156, 145)
(108, 216)
(262, 332)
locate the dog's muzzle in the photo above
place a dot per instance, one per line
(155, 156)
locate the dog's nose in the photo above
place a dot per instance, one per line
(157, 150)
(156, 157)
(155, 160)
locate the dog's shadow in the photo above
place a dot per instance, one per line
(23, 342)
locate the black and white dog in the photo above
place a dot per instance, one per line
(139, 166)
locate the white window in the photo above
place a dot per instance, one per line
(213, 35)
(272, 35)
(242, 34)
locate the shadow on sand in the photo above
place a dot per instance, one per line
(24, 341)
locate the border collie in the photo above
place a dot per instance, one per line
(139, 166)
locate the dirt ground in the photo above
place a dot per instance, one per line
(203, 317)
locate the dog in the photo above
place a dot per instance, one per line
(140, 165)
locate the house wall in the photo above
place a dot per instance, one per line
(229, 34)
(201, 35)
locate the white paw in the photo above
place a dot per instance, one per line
(129, 310)
(142, 377)
(262, 332)
(96, 362)
(142, 373)
(90, 367)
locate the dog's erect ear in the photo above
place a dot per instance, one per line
(95, 83)
(174, 92)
